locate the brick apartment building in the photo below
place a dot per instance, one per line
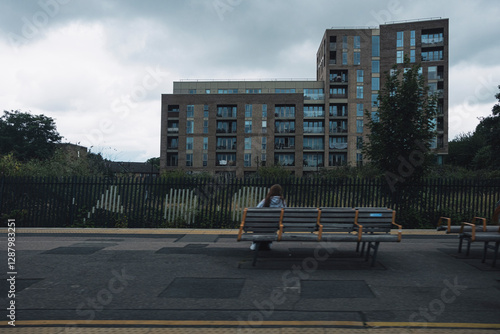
(234, 127)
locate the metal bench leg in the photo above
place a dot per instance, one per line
(357, 246)
(468, 247)
(485, 250)
(257, 248)
(363, 248)
(460, 241)
(497, 245)
(375, 250)
(368, 251)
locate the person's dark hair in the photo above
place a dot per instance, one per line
(275, 190)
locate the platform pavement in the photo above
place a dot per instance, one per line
(202, 281)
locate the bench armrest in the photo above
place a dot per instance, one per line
(448, 223)
(473, 227)
(360, 230)
(481, 219)
(240, 233)
(400, 230)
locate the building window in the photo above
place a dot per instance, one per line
(284, 159)
(357, 42)
(412, 38)
(359, 92)
(375, 46)
(225, 159)
(248, 126)
(263, 157)
(359, 126)
(284, 127)
(314, 111)
(190, 111)
(264, 126)
(205, 143)
(357, 58)
(192, 91)
(375, 66)
(284, 111)
(264, 143)
(226, 143)
(399, 39)
(207, 91)
(189, 126)
(344, 42)
(189, 143)
(344, 58)
(314, 94)
(399, 57)
(284, 91)
(374, 100)
(227, 91)
(253, 91)
(313, 143)
(338, 110)
(432, 55)
(248, 160)
(432, 73)
(360, 75)
(205, 111)
(248, 143)
(359, 110)
(264, 111)
(205, 159)
(375, 83)
(205, 126)
(226, 111)
(359, 142)
(248, 111)
(412, 56)
(337, 159)
(189, 160)
(375, 118)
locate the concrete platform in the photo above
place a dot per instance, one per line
(202, 281)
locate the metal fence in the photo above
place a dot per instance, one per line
(218, 203)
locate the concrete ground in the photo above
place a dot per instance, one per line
(202, 281)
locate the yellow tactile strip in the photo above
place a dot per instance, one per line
(286, 330)
(167, 231)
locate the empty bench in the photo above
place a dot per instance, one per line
(485, 237)
(363, 226)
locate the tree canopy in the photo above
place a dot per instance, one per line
(402, 129)
(28, 136)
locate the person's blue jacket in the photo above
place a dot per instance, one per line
(276, 202)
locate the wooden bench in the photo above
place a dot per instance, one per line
(444, 224)
(486, 237)
(366, 226)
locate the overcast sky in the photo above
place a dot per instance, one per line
(99, 67)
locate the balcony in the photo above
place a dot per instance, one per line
(314, 129)
(172, 130)
(338, 146)
(226, 147)
(338, 129)
(280, 147)
(277, 130)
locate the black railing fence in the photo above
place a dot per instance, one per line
(218, 202)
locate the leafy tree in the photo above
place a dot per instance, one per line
(154, 161)
(27, 136)
(480, 149)
(402, 130)
(273, 171)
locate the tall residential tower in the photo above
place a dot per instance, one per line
(234, 127)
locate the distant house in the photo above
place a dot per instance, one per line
(73, 150)
(136, 169)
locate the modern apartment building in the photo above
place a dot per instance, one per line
(235, 127)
